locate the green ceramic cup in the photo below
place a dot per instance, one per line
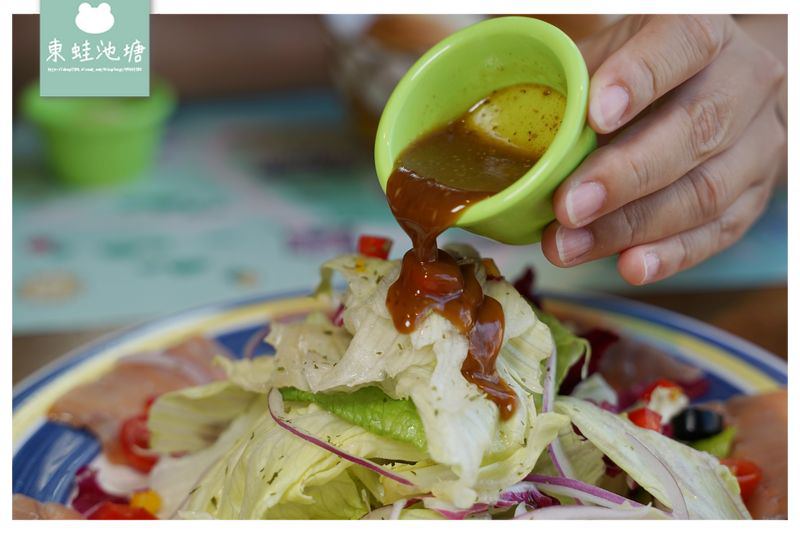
(97, 141)
(468, 66)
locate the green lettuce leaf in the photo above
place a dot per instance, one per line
(371, 409)
(709, 488)
(569, 347)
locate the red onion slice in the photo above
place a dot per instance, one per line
(524, 492)
(556, 452)
(655, 465)
(276, 411)
(455, 514)
(578, 489)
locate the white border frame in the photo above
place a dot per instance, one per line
(407, 6)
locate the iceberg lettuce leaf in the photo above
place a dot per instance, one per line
(191, 419)
(709, 489)
(175, 477)
(584, 457)
(253, 375)
(264, 467)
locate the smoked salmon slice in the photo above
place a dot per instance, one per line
(102, 405)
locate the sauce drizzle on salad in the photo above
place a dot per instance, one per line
(434, 180)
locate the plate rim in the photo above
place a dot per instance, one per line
(706, 332)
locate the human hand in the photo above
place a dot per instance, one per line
(698, 142)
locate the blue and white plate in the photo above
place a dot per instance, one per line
(47, 454)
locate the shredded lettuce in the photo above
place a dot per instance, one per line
(396, 399)
(461, 426)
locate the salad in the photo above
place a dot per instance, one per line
(351, 419)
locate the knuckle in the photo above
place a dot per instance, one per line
(706, 36)
(710, 120)
(685, 252)
(708, 192)
(637, 177)
(627, 170)
(735, 222)
(729, 228)
(649, 84)
(631, 224)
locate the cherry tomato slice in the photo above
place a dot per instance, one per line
(645, 418)
(374, 246)
(666, 383)
(135, 437)
(149, 402)
(120, 511)
(747, 473)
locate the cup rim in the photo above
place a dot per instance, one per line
(572, 124)
(159, 105)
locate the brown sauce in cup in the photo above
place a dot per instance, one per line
(434, 180)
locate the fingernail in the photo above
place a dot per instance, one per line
(584, 201)
(609, 106)
(572, 243)
(651, 265)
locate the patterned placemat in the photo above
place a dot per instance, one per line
(250, 197)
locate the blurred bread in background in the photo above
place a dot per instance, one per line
(372, 52)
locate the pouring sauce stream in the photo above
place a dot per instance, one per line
(434, 180)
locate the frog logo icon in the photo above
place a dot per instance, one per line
(94, 20)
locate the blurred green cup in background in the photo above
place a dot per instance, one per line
(95, 141)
